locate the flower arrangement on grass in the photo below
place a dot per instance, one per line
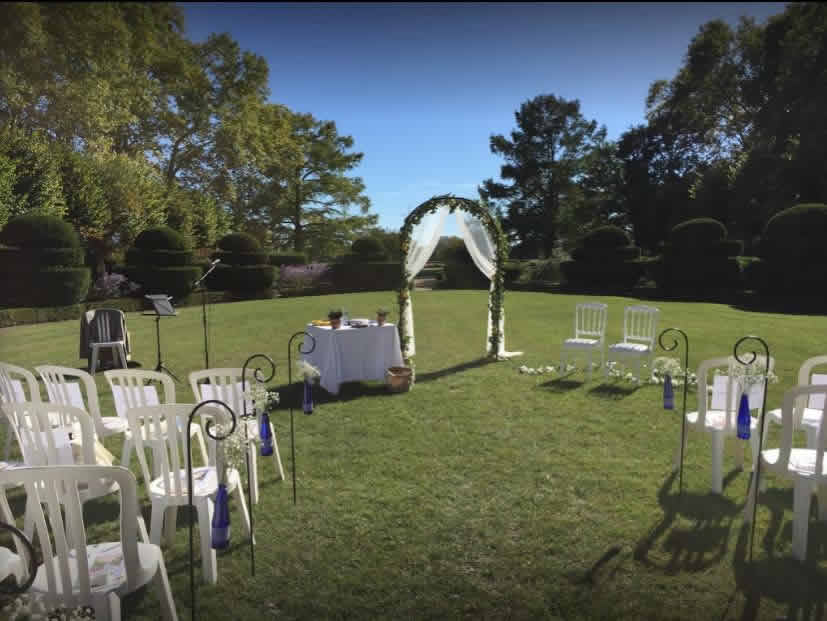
(661, 367)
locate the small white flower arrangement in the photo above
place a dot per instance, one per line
(26, 607)
(661, 367)
(307, 371)
(753, 373)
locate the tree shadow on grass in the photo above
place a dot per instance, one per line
(698, 547)
(457, 368)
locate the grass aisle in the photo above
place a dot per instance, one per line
(482, 493)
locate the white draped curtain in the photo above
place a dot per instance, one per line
(483, 252)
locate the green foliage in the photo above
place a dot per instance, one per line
(287, 259)
(604, 238)
(367, 249)
(793, 249)
(465, 276)
(239, 242)
(38, 231)
(699, 258)
(697, 234)
(160, 257)
(752, 270)
(161, 263)
(603, 260)
(160, 238)
(370, 276)
(175, 281)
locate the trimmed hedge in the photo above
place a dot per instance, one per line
(367, 249)
(794, 250)
(605, 237)
(161, 263)
(604, 259)
(46, 266)
(33, 231)
(280, 259)
(245, 270)
(175, 281)
(252, 257)
(239, 242)
(463, 276)
(160, 238)
(699, 257)
(159, 257)
(382, 276)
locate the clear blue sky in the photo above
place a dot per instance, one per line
(421, 87)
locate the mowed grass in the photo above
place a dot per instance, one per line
(482, 493)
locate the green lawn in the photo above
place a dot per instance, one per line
(483, 493)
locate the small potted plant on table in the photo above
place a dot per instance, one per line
(335, 317)
(381, 315)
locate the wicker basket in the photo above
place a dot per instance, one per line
(398, 379)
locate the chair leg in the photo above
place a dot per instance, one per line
(205, 507)
(122, 355)
(164, 591)
(822, 502)
(156, 523)
(93, 365)
(126, 453)
(589, 371)
(245, 513)
(276, 454)
(253, 459)
(802, 493)
(170, 524)
(717, 463)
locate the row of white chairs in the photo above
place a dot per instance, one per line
(802, 410)
(640, 324)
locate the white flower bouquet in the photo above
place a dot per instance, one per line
(307, 371)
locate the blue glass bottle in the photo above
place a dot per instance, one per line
(307, 400)
(221, 519)
(744, 419)
(668, 393)
(265, 436)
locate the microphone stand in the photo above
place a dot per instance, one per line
(200, 283)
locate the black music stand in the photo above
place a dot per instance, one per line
(163, 308)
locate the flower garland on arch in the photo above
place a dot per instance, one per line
(492, 227)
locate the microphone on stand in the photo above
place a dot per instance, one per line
(216, 262)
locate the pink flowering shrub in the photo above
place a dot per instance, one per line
(112, 285)
(299, 279)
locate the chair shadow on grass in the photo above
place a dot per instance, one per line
(702, 545)
(613, 391)
(561, 384)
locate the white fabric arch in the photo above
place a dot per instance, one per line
(424, 239)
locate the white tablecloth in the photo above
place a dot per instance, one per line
(353, 354)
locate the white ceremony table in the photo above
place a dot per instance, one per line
(353, 354)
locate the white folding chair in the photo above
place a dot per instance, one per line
(640, 325)
(809, 409)
(17, 385)
(160, 425)
(718, 402)
(133, 388)
(107, 331)
(805, 467)
(589, 334)
(225, 385)
(75, 387)
(75, 572)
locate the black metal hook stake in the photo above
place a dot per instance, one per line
(672, 347)
(32, 564)
(757, 473)
(290, 383)
(259, 376)
(218, 438)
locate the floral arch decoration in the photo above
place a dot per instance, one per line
(495, 301)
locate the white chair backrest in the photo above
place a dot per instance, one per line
(45, 433)
(64, 539)
(133, 388)
(17, 384)
(723, 391)
(788, 415)
(72, 387)
(590, 320)
(166, 426)
(807, 377)
(224, 385)
(640, 324)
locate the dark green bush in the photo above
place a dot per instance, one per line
(239, 242)
(369, 249)
(463, 276)
(253, 257)
(752, 270)
(33, 231)
(160, 238)
(727, 248)
(52, 286)
(605, 237)
(42, 257)
(382, 276)
(794, 250)
(599, 255)
(175, 281)
(159, 257)
(512, 271)
(280, 259)
(697, 233)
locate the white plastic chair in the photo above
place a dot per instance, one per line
(161, 424)
(808, 410)
(107, 332)
(75, 387)
(82, 574)
(805, 467)
(133, 388)
(225, 385)
(640, 325)
(589, 334)
(17, 385)
(718, 411)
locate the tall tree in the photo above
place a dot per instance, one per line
(544, 157)
(308, 192)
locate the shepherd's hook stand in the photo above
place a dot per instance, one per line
(259, 377)
(208, 428)
(16, 590)
(757, 473)
(290, 383)
(672, 347)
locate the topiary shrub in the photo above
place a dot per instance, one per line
(368, 249)
(794, 251)
(698, 258)
(604, 259)
(245, 269)
(160, 262)
(43, 265)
